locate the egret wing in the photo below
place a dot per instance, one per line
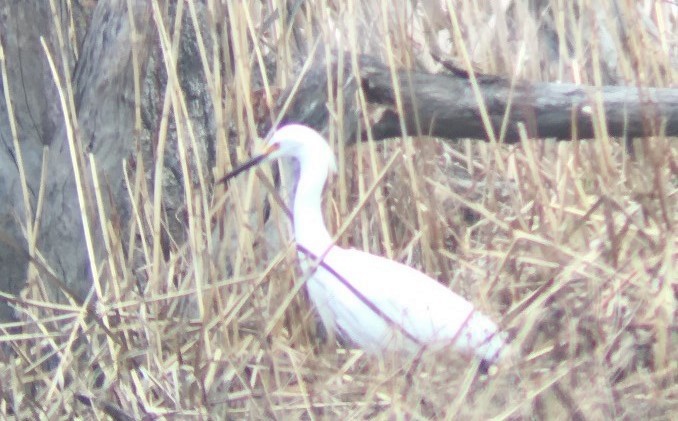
(393, 306)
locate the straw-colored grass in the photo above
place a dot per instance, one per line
(572, 246)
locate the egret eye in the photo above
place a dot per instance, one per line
(272, 148)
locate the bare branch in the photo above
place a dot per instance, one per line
(444, 105)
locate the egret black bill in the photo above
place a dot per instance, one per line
(249, 164)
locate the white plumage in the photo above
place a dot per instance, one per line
(378, 304)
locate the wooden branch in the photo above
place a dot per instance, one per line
(445, 105)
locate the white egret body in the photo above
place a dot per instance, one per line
(379, 304)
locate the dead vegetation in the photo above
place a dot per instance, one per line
(571, 245)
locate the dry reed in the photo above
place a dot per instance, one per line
(571, 245)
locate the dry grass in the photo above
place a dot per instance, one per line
(572, 245)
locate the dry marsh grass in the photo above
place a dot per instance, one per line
(572, 245)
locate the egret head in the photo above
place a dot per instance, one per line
(301, 143)
(296, 141)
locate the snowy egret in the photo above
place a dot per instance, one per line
(378, 304)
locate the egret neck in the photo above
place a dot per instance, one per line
(309, 230)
